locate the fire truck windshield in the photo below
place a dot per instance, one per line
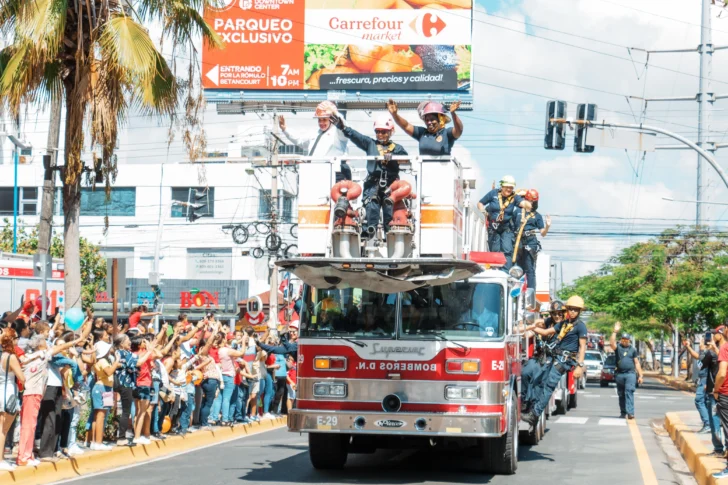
(457, 311)
(350, 312)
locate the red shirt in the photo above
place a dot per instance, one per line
(144, 378)
(134, 319)
(214, 353)
(292, 374)
(19, 353)
(723, 357)
(270, 360)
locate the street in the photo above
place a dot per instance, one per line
(588, 445)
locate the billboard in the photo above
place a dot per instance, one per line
(347, 45)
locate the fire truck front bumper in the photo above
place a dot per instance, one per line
(481, 425)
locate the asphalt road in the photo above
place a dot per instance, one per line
(588, 445)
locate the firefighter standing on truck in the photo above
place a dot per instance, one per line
(498, 206)
(532, 372)
(435, 139)
(526, 226)
(627, 359)
(567, 352)
(381, 173)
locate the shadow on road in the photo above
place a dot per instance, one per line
(385, 467)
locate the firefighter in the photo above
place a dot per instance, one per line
(498, 205)
(436, 139)
(381, 173)
(326, 142)
(532, 368)
(551, 314)
(628, 371)
(565, 352)
(526, 226)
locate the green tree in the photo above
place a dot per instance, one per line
(97, 56)
(676, 281)
(93, 264)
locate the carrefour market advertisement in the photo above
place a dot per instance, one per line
(356, 45)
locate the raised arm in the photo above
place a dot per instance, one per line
(403, 123)
(613, 337)
(546, 227)
(457, 129)
(691, 351)
(299, 142)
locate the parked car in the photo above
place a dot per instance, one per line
(593, 361)
(607, 376)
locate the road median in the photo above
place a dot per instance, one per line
(694, 451)
(678, 383)
(121, 456)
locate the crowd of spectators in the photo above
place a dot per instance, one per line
(63, 393)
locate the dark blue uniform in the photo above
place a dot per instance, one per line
(529, 245)
(559, 365)
(500, 230)
(439, 143)
(626, 378)
(380, 176)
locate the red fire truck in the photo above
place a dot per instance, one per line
(409, 339)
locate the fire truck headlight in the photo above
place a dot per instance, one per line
(329, 389)
(454, 393)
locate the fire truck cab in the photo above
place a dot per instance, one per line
(409, 339)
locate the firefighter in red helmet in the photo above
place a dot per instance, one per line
(527, 225)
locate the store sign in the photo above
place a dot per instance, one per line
(209, 264)
(406, 45)
(201, 299)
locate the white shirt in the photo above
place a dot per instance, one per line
(332, 143)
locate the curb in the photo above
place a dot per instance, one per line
(121, 456)
(679, 384)
(694, 452)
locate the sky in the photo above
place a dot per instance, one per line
(525, 53)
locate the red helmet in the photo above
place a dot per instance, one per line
(532, 195)
(384, 122)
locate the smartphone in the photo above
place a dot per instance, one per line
(708, 337)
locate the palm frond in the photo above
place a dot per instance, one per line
(41, 24)
(126, 44)
(184, 22)
(8, 14)
(157, 94)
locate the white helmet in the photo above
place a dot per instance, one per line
(508, 181)
(545, 308)
(384, 122)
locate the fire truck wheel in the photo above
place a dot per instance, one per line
(542, 425)
(327, 451)
(562, 404)
(501, 454)
(572, 401)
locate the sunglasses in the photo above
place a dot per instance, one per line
(381, 132)
(572, 309)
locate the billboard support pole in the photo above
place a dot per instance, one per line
(115, 295)
(273, 295)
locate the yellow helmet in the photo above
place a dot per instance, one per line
(575, 302)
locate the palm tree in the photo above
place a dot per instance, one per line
(97, 56)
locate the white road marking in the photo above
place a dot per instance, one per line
(646, 397)
(612, 422)
(567, 420)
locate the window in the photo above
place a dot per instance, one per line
(194, 195)
(285, 206)
(462, 311)
(351, 312)
(122, 202)
(27, 197)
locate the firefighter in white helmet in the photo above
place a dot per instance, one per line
(327, 141)
(498, 206)
(381, 173)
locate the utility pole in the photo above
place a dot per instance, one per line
(45, 231)
(705, 98)
(273, 299)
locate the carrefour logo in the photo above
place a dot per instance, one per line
(428, 24)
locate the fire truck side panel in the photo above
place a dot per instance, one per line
(442, 209)
(314, 210)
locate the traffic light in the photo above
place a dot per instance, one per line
(193, 207)
(584, 112)
(554, 138)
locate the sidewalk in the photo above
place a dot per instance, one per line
(121, 456)
(694, 447)
(678, 383)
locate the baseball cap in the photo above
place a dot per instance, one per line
(625, 336)
(230, 336)
(720, 329)
(294, 324)
(102, 349)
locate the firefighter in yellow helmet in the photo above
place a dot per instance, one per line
(566, 354)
